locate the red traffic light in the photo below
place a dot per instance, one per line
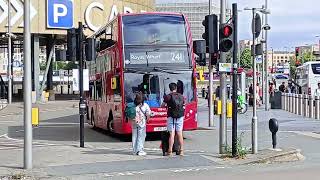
(227, 30)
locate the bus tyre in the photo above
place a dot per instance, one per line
(93, 124)
(110, 124)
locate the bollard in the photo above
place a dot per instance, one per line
(317, 105)
(305, 105)
(35, 116)
(300, 104)
(296, 96)
(274, 127)
(293, 103)
(288, 103)
(283, 101)
(310, 106)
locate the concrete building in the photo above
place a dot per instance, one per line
(279, 58)
(194, 10)
(244, 44)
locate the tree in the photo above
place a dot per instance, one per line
(246, 59)
(307, 56)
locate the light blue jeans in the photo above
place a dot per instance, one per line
(138, 138)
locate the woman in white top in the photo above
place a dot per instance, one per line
(143, 113)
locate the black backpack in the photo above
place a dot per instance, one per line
(176, 109)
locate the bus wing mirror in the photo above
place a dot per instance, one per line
(113, 83)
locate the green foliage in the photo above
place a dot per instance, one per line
(307, 56)
(229, 57)
(293, 67)
(241, 151)
(246, 59)
(60, 65)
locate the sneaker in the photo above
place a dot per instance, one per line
(142, 153)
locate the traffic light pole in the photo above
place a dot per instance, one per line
(211, 105)
(254, 117)
(235, 79)
(223, 90)
(81, 103)
(266, 95)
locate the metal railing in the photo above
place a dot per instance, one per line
(301, 104)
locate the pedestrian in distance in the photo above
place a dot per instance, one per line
(143, 113)
(317, 91)
(175, 105)
(282, 87)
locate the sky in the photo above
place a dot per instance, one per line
(293, 22)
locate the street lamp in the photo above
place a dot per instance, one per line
(254, 117)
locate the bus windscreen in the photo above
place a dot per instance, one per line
(152, 29)
(315, 68)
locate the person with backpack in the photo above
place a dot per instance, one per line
(142, 115)
(175, 105)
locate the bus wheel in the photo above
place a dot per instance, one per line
(93, 124)
(110, 124)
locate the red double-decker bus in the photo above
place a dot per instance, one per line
(141, 53)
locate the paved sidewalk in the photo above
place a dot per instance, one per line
(17, 108)
(56, 153)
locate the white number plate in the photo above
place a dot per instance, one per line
(160, 128)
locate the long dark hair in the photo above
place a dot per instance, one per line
(139, 99)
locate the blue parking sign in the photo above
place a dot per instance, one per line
(60, 14)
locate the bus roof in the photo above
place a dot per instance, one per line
(151, 13)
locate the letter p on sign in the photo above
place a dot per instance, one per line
(60, 14)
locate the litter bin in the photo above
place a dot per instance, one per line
(275, 100)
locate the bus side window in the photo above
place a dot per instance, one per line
(117, 91)
(98, 91)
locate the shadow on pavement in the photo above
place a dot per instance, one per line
(67, 129)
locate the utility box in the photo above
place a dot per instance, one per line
(275, 100)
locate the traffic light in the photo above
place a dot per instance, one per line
(210, 24)
(226, 43)
(91, 49)
(297, 51)
(71, 44)
(199, 48)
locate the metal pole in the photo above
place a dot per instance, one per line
(211, 106)
(263, 68)
(266, 78)
(235, 79)
(80, 58)
(310, 106)
(9, 55)
(223, 90)
(27, 88)
(254, 117)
